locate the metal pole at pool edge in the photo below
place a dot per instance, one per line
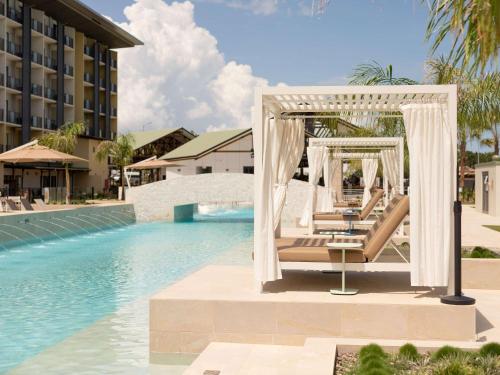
(458, 297)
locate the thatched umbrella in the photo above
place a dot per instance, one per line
(151, 163)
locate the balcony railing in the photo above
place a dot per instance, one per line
(102, 83)
(87, 77)
(68, 70)
(36, 122)
(37, 57)
(37, 25)
(14, 14)
(50, 93)
(114, 112)
(51, 31)
(68, 99)
(14, 83)
(87, 104)
(102, 108)
(2, 79)
(49, 123)
(14, 117)
(36, 89)
(102, 57)
(114, 63)
(1, 114)
(2, 44)
(2, 8)
(69, 41)
(114, 87)
(14, 49)
(50, 63)
(113, 136)
(88, 50)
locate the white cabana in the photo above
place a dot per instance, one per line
(430, 121)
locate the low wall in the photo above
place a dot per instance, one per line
(481, 274)
(35, 226)
(154, 201)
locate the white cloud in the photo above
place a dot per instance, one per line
(179, 77)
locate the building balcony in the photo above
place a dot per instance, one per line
(50, 93)
(87, 104)
(51, 31)
(36, 89)
(68, 99)
(2, 79)
(14, 117)
(102, 109)
(37, 25)
(2, 8)
(14, 49)
(102, 57)
(37, 57)
(88, 50)
(14, 14)
(69, 41)
(114, 112)
(114, 63)
(114, 87)
(112, 136)
(1, 114)
(14, 83)
(68, 70)
(2, 44)
(102, 83)
(36, 122)
(49, 123)
(50, 63)
(87, 77)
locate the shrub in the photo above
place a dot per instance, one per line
(371, 349)
(373, 361)
(446, 352)
(453, 368)
(409, 351)
(492, 349)
(482, 252)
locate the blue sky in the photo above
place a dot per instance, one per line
(287, 46)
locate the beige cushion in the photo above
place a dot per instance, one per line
(313, 250)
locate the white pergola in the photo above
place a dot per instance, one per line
(369, 146)
(408, 101)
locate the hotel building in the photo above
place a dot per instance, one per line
(58, 64)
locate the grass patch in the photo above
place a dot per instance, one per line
(493, 227)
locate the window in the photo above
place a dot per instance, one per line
(202, 170)
(248, 170)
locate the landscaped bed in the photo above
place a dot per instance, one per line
(372, 360)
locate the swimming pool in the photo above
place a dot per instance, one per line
(51, 290)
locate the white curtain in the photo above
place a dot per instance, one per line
(369, 167)
(391, 170)
(432, 148)
(288, 147)
(331, 168)
(266, 262)
(315, 159)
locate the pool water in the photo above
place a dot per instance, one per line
(49, 291)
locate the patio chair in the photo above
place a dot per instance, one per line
(343, 218)
(40, 204)
(11, 205)
(308, 253)
(26, 205)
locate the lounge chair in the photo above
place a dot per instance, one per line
(11, 205)
(349, 254)
(26, 205)
(40, 204)
(330, 218)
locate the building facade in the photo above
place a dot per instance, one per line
(58, 64)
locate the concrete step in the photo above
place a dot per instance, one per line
(220, 358)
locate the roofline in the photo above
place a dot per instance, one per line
(99, 25)
(175, 130)
(222, 144)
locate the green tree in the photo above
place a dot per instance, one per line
(474, 29)
(121, 151)
(64, 140)
(376, 74)
(487, 91)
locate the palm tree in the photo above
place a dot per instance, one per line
(488, 93)
(376, 74)
(64, 140)
(121, 151)
(474, 28)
